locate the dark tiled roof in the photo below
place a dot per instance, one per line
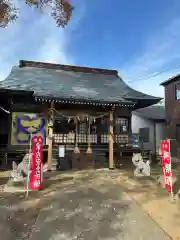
(156, 112)
(9, 91)
(170, 80)
(62, 81)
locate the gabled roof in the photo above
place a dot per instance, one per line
(170, 80)
(54, 81)
(156, 112)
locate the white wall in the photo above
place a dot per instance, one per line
(140, 122)
(160, 134)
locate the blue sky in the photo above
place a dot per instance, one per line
(139, 38)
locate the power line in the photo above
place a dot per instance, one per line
(153, 75)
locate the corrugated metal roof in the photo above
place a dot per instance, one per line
(62, 83)
(155, 112)
(170, 80)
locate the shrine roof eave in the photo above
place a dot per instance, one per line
(142, 103)
(12, 92)
(92, 102)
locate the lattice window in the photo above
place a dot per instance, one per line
(121, 139)
(82, 128)
(81, 138)
(82, 132)
(122, 125)
(58, 138)
(64, 138)
(70, 137)
(104, 138)
(93, 138)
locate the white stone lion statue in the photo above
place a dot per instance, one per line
(20, 171)
(142, 168)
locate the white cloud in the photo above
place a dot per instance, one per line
(160, 52)
(35, 37)
(54, 47)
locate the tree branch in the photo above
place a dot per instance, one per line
(60, 10)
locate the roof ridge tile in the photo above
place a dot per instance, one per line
(24, 63)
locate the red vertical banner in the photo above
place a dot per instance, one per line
(36, 165)
(166, 164)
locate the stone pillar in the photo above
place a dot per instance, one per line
(111, 141)
(50, 137)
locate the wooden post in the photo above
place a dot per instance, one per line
(89, 149)
(111, 141)
(50, 137)
(76, 149)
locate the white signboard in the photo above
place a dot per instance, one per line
(61, 151)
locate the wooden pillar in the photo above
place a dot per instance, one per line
(76, 149)
(111, 141)
(50, 137)
(99, 130)
(89, 149)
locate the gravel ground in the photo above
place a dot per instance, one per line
(91, 207)
(17, 216)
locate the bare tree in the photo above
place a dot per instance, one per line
(60, 10)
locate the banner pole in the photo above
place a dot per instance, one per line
(29, 164)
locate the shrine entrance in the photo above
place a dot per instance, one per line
(81, 139)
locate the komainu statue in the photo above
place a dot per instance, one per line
(23, 167)
(142, 168)
(16, 175)
(20, 172)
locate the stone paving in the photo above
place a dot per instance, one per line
(93, 209)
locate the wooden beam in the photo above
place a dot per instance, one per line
(50, 137)
(111, 141)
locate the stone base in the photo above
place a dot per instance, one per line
(141, 175)
(145, 179)
(12, 183)
(111, 168)
(160, 180)
(175, 183)
(12, 189)
(12, 186)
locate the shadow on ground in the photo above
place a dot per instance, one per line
(81, 213)
(83, 204)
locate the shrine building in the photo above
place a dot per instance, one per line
(86, 111)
